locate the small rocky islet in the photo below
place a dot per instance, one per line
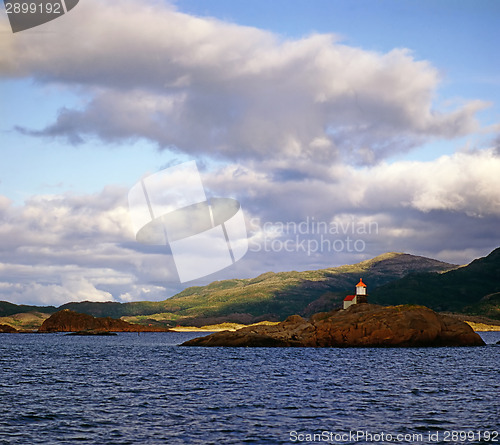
(84, 324)
(7, 329)
(91, 333)
(360, 325)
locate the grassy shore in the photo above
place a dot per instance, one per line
(482, 327)
(478, 323)
(478, 327)
(31, 321)
(219, 327)
(28, 321)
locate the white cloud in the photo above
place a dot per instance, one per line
(69, 247)
(437, 208)
(71, 286)
(295, 120)
(212, 88)
(466, 182)
(463, 182)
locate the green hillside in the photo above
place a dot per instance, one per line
(472, 289)
(7, 309)
(270, 296)
(392, 278)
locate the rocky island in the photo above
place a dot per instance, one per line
(71, 321)
(360, 325)
(91, 333)
(5, 328)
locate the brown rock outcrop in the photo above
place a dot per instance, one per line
(362, 325)
(5, 328)
(70, 321)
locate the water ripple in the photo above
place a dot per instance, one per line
(145, 389)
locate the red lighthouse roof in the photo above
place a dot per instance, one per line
(350, 298)
(361, 284)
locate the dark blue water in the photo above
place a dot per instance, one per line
(145, 389)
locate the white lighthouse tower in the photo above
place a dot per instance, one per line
(359, 297)
(361, 290)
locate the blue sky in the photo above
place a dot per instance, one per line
(458, 38)
(394, 120)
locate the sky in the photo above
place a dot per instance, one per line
(345, 129)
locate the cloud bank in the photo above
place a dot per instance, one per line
(59, 248)
(305, 128)
(210, 88)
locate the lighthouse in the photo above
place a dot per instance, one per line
(359, 297)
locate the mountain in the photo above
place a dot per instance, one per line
(473, 289)
(392, 278)
(275, 296)
(7, 309)
(270, 296)
(25, 321)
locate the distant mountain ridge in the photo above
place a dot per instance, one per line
(474, 289)
(275, 296)
(392, 278)
(272, 296)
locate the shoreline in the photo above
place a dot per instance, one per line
(482, 327)
(477, 326)
(220, 327)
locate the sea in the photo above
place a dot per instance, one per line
(146, 389)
